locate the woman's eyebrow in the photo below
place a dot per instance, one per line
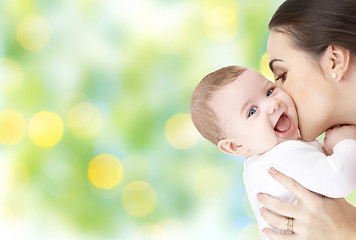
(271, 63)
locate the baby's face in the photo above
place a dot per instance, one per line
(255, 112)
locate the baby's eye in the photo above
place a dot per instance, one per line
(281, 78)
(252, 111)
(269, 92)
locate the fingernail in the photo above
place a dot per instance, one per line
(272, 170)
(259, 196)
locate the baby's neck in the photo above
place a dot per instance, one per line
(257, 154)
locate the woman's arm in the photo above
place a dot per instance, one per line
(315, 217)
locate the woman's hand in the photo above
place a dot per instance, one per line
(315, 217)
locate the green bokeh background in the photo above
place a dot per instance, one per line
(138, 62)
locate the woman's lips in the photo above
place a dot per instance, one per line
(284, 126)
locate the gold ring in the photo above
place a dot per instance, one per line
(289, 224)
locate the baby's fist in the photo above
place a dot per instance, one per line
(337, 133)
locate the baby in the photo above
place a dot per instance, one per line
(246, 115)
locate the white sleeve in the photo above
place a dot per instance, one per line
(333, 176)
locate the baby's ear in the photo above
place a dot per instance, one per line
(230, 146)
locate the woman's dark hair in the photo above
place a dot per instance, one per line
(313, 25)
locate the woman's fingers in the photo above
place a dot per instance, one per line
(295, 188)
(274, 219)
(276, 205)
(275, 236)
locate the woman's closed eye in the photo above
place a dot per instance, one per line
(281, 78)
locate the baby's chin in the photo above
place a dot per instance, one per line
(294, 136)
(279, 139)
(269, 142)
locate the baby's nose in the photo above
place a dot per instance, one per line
(273, 105)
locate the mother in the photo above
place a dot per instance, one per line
(312, 53)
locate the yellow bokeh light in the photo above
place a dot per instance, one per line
(34, 33)
(180, 131)
(18, 178)
(45, 129)
(139, 199)
(105, 171)
(11, 75)
(221, 22)
(85, 120)
(12, 127)
(170, 229)
(264, 68)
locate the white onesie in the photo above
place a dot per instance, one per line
(333, 176)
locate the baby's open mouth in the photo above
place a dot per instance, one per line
(283, 124)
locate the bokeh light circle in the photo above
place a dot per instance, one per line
(45, 129)
(105, 171)
(167, 229)
(11, 75)
(34, 33)
(221, 22)
(18, 178)
(12, 127)
(264, 68)
(139, 199)
(85, 120)
(180, 131)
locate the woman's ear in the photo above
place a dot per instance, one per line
(230, 146)
(335, 62)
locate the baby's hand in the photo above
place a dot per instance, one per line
(337, 133)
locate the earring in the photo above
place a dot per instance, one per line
(334, 75)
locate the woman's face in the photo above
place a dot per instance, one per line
(301, 77)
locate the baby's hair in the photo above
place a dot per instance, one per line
(203, 116)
